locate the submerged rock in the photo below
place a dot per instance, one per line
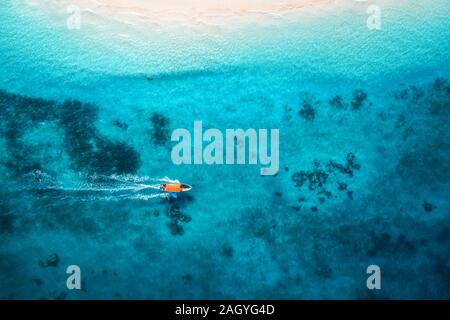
(51, 261)
(89, 150)
(176, 217)
(350, 194)
(315, 179)
(187, 277)
(160, 129)
(175, 228)
(411, 93)
(342, 186)
(359, 97)
(307, 111)
(121, 125)
(7, 220)
(428, 207)
(337, 102)
(318, 178)
(38, 282)
(441, 84)
(61, 296)
(227, 251)
(347, 168)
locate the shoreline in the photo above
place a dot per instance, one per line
(197, 12)
(326, 32)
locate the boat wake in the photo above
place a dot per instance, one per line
(99, 187)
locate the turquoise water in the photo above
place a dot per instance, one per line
(85, 122)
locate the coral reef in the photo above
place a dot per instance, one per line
(307, 110)
(439, 102)
(337, 102)
(227, 251)
(160, 134)
(51, 261)
(428, 207)
(7, 218)
(120, 124)
(176, 217)
(358, 100)
(287, 114)
(89, 151)
(317, 179)
(359, 97)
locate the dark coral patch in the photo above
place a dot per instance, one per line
(439, 102)
(318, 178)
(337, 102)
(314, 179)
(347, 168)
(90, 151)
(384, 243)
(441, 84)
(359, 97)
(175, 228)
(187, 277)
(428, 207)
(121, 125)
(176, 218)
(51, 261)
(342, 186)
(24, 108)
(19, 161)
(114, 157)
(307, 111)
(160, 129)
(227, 251)
(7, 218)
(426, 165)
(412, 94)
(17, 114)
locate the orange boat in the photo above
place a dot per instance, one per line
(175, 187)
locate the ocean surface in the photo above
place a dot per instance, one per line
(86, 116)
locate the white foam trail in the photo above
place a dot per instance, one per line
(150, 196)
(132, 178)
(114, 187)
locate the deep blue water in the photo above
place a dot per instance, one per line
(364, 160)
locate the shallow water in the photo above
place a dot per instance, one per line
(85, 122)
